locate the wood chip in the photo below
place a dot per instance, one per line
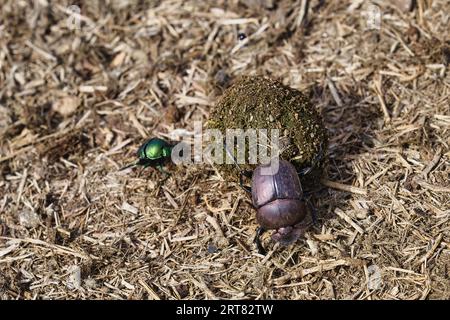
(344, 187)
(349, 220)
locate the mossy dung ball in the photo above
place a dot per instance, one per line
(261, 103)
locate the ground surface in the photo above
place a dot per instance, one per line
(76, 102)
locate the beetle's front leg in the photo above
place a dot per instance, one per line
(257, 240)
(164, 172)
(161, 169)
(248, 174)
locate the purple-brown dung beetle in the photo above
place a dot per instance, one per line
(279, 200)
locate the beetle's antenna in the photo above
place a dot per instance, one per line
(134, 164)
(131, 165)
(242, 172)
(232, 156)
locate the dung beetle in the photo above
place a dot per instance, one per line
(153, 153)
(279, 200)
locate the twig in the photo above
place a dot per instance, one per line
(433, 163)
(379, 92)
(58, 248)
(202, 285)
(433, 248)
(42, 52)
(323, 266)
(431, 187)
(21, 186)
(152, 294)
(212, 221)
(343, 187)
(349, 220)
(334, 93)
(11, 259)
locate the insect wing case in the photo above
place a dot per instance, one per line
(278, 197)
(283, 184)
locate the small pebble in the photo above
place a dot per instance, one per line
(172, 114)
(74, 281)
(212, 248)
(222, 78)
(129, 208)
(28, 219)
(90, 283)
(312, 246)
(66, 106)
(404, 5)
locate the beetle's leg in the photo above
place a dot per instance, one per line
(166, 174)
(307, 194)
(131, 165)
(257, 240)
(140, 162)
(241, 180)
(160, 182)
(146, 163)
(316, 160)
(143, 164)
(161, 169)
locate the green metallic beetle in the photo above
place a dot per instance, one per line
(153, 153)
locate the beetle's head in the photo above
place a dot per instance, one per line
(288, 235)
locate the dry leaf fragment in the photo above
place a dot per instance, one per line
(66, 105)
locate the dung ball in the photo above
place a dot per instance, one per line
(260, 103)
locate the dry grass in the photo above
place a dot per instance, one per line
(76, 104)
